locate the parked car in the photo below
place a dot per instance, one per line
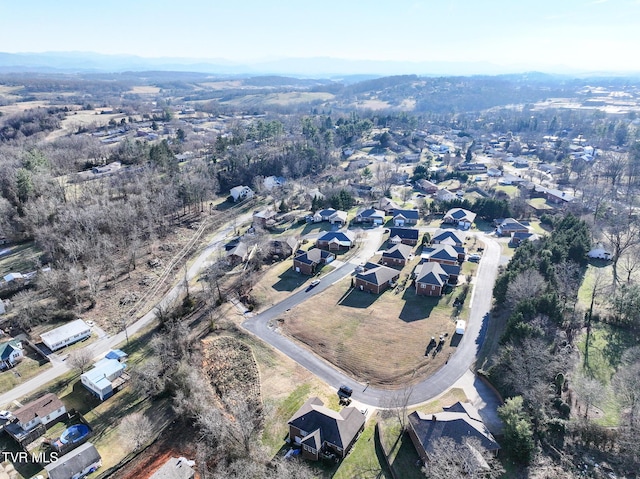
(345, 391)
(474, 257)
(5, 415)
(460, 326)
(314, 283)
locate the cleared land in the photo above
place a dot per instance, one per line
(354, 330)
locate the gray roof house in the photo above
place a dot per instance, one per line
(457, 422)
(175, 468)
(323, 431)
(75, 464)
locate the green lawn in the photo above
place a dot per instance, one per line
(30, 366)
(365, 460)
(21, 257)
(600, 361)
(402, 454)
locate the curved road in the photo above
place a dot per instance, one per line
(264, 324)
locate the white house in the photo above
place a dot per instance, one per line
(10, 353)
(13, 276)
(241, 192)
(75, 464)
(65, 335)
(100, 380)
(41, 411)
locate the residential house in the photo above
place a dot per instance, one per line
(600, 253)
(361, 189)
(271, 182)
(448, 236)
(75, 464)
(508, 226)
(405, 217)
(14, 277)
(307, 262)
(105, 378)
(324, 432)
(239, 193)
(175, 468)
(404, 235)
(445, 195)
(264, 218)
(557, 196)
(117, 354)
(426, 186)
(376, 278)
(238, 253)
(472, 167)
(439, 148)
(387, 205)
(283, 248)
(458, 422)
(336, 240)
(370, 216)
(11, 353)
(444, 254)
(397, 255)
(518, 238)
(494, 172)
(430, 279)
(459, 216)
(44, 410)
(335, 217)
(65, 335)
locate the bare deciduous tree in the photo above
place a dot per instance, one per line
(450, 460)
(80, 359)
(527, 284)
(135, 430)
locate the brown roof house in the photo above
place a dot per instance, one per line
(458, 422)
(336, 240)
(323, 432)
(265, 218)
(376, 278)
(459, 216)
(307, 262)
(397, 255)
(427, 186)
(32, 419)
(387, 205)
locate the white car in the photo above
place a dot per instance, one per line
(460, 326)
(5, 415)
(90, 323)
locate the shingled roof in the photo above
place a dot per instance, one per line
(39, 408)
(326, 425)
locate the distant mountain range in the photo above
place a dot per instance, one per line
(87, 62)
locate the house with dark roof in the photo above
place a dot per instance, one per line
(405, 217)
(458, 423)
(10, 353)
(430, 279)
(448, 236)
(370, 216)
(335, 217)
(518, 238)
(509, 226)
(307, 262)
(459, 216)
(444, 254)
(336, 240)
(321, 432)
(397, 255)
(376, 278)
(75, 464)
(283, 247)
(404, 235)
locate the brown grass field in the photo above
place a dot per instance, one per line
(380, 339)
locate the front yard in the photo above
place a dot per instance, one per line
(30, 366)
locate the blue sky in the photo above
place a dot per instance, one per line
(583, 34)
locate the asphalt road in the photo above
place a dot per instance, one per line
(264, 326)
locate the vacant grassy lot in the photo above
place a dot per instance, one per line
(354, 330)
(18, 258)
(279, 281)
